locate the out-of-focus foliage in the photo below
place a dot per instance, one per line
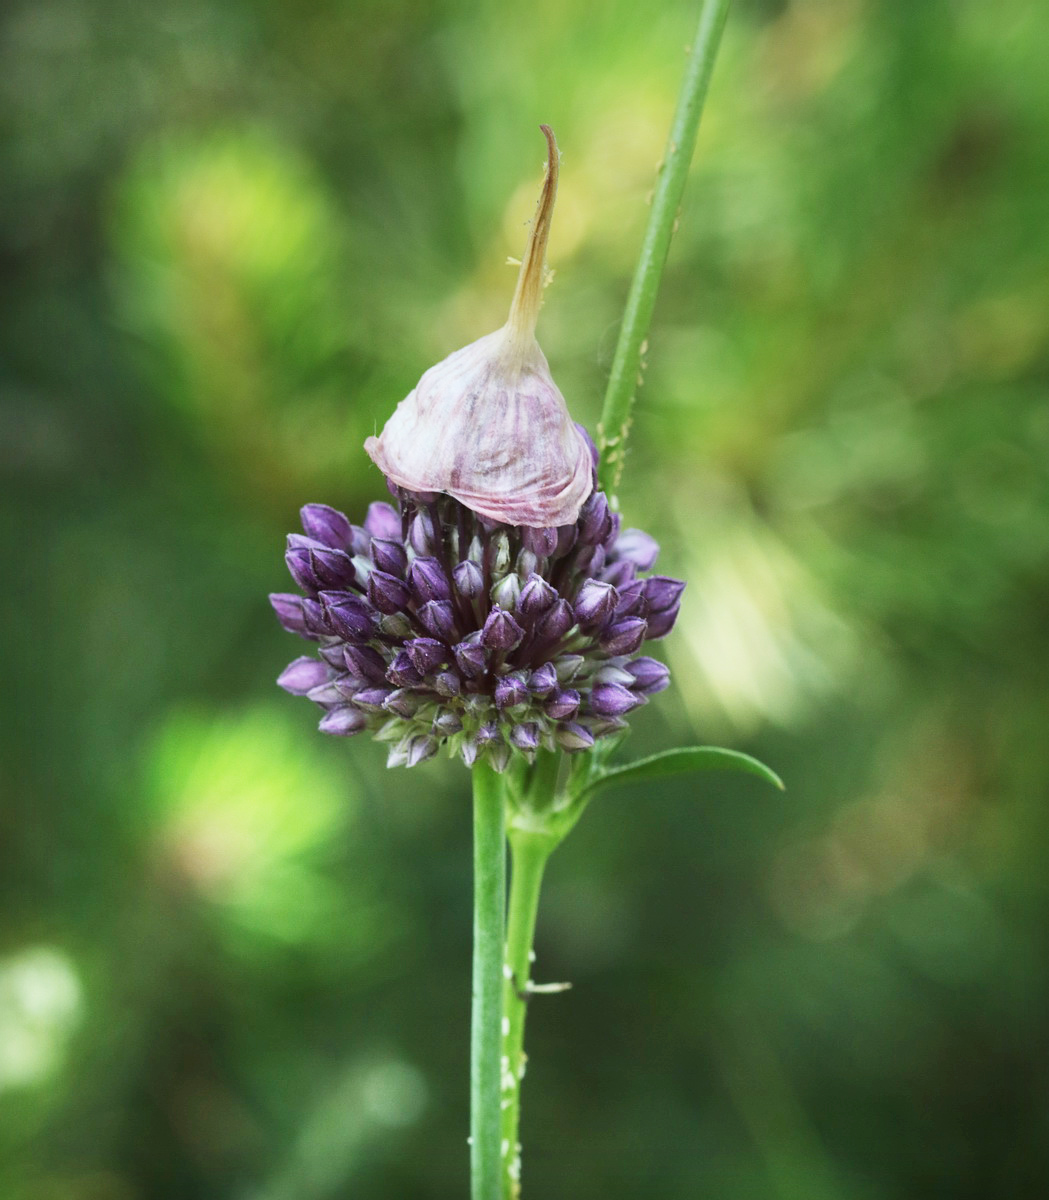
(234, 953)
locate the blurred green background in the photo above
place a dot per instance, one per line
(234, 954)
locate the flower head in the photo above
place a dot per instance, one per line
(488, 425)
(435, 626)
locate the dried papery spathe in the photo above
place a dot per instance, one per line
(488, 424)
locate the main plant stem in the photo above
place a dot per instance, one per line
(529, 853)
(486, 1014)
(662, 220)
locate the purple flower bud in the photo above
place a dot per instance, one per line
(316, 617)
(510, 690)
(501, 631)
(573, 737)
(350, 616)
(403, 672)
(632, 602)
(567, 667)
(403, 702)
(302, 675)
(595, 603)
(333, 656)
(526, 736)
(288, 608)
(365, 663)
(325, 524)
(527, 564)
(300, 563)
(543, 680)
(612, 535)
(469, 581)
(447, 684)
(541, 542)
(389, 556)
(438, 618)
(624, 636)
(326, 694)
(650, 675)
(595, 519)
(421, 748)
(610, 673)
(661, 623)
(388, 593)
(427, 654)
(343, 721)
(506, 592)
(619, 574)
(555, 623)
(591, 560)
(383, 521)
(428, 581)
(372, 699)
(348, 686)
(564, 703)
(472, 659)
(360, 541)
(422, 534)
(446, 723)
(536, 598)
(567, 536)
(487, 735)
(612, 700)
(602, 726)
(637, 547)
(662, 592)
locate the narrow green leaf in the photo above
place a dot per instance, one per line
(681, 762)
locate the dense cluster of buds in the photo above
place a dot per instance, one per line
(439, 627)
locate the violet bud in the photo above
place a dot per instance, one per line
(325, 524)
(536, 598)
(595, 603)
(632, 602)
(388, 593)
(360, 541)
(567, 667)
(389, 556)
(610, 673)
(446, 723)
(612, 535)
(315, 617)
(595, 520)
(468, 579)
(383, 521)
(574, 737)
(447, 684)
(543, 680)
(637, 547)
(525, 736)
(541, 542)
(662, 592)
(624, 636)
(619, 574)
(422, 534)
(403, 702)
(428, 581)
(288, 608)
(487, 735)
(488, 424)
(343, 721)
(650, 675)
(350, 616)
(403, 672)
(527, 564)
(333, 656)
(562, 704)
(555, 623)
(372, 699)
(365, 662)
(302, 675)
(300, 563)
(566, 539)
(471, 658)
(612, 700)
(421, 748)
(326, 694)
(427, 654)
(510, 691)
(438, 618)
(506, 592)
(661, 623)
(501, 631)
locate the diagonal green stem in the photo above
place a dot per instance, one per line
(486, 1013)
(529, 853)
(670, 185)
